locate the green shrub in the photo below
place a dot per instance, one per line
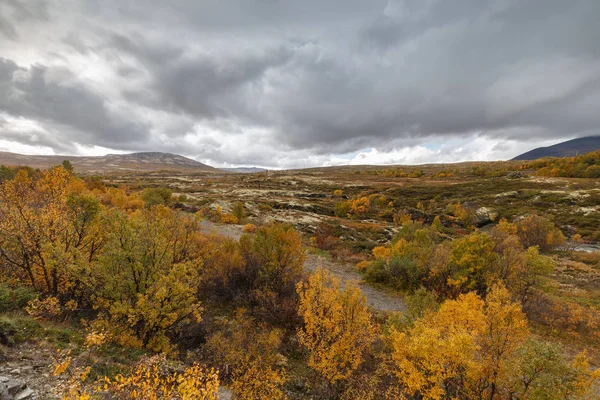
(14, 299)
(399, 272)
(15, 330)
(239, 211)
(405, 273)
(341, 209)
(376, 273)
(157, 196)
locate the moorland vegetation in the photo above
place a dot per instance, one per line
(143, 303)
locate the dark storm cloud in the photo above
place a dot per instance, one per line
(316, 77)
(203, 85)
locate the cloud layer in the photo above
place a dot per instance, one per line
(280, 83)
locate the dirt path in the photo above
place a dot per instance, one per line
(378, 299)
(31, 365)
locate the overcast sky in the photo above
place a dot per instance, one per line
(289, 83)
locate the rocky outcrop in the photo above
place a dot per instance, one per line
(15, 389)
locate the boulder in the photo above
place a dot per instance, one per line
(485, 215)
(15, 389)
(26, 394)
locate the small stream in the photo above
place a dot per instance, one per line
(586, 247)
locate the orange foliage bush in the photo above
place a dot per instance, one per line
(338, 329)
(539, 231)
(249, 228)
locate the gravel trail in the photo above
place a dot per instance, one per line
(377, 298)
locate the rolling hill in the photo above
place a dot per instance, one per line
(564, 149)
(110, 163)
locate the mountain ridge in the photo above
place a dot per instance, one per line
(140, 161)
(568, 148)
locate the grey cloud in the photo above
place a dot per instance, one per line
(207, 87)
(204, 85)
(250, 18)
(147, 52)
(319, 77)
(7, 29)
(35, 138)
(14, 12)
(56, 96)
(7, 69)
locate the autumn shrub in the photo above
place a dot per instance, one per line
(419, 247)
(156, 314)
(146, 281)
(49, 232)
(274, 264)
(409, 227)
(462, 265)
(402, 217)
(150, 379)
(378, 200)
(257, 382)
(224, 275)
(544, 372)
(95, 184)
(247, 353)
(436, 224)
(522, 271)
(563, 318)
(337, 328)
(482, 348)
(465, 215)
(359, 207)
(582, 166)
(376, 272)
(416, 257)
(118, 197)
(260, 271)
(249, 228)
(538, 231)
(341, 209)
(362, 266)
(48, 308)
(229, 219)
(324, 237)
(593, 171)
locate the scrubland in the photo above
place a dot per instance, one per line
(466, 281)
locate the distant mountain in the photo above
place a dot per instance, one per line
(110, 163)
(569, 148)
(244, 170)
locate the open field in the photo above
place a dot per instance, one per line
(305, 197)
(414, 240)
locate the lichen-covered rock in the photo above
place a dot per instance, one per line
(485, 215)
